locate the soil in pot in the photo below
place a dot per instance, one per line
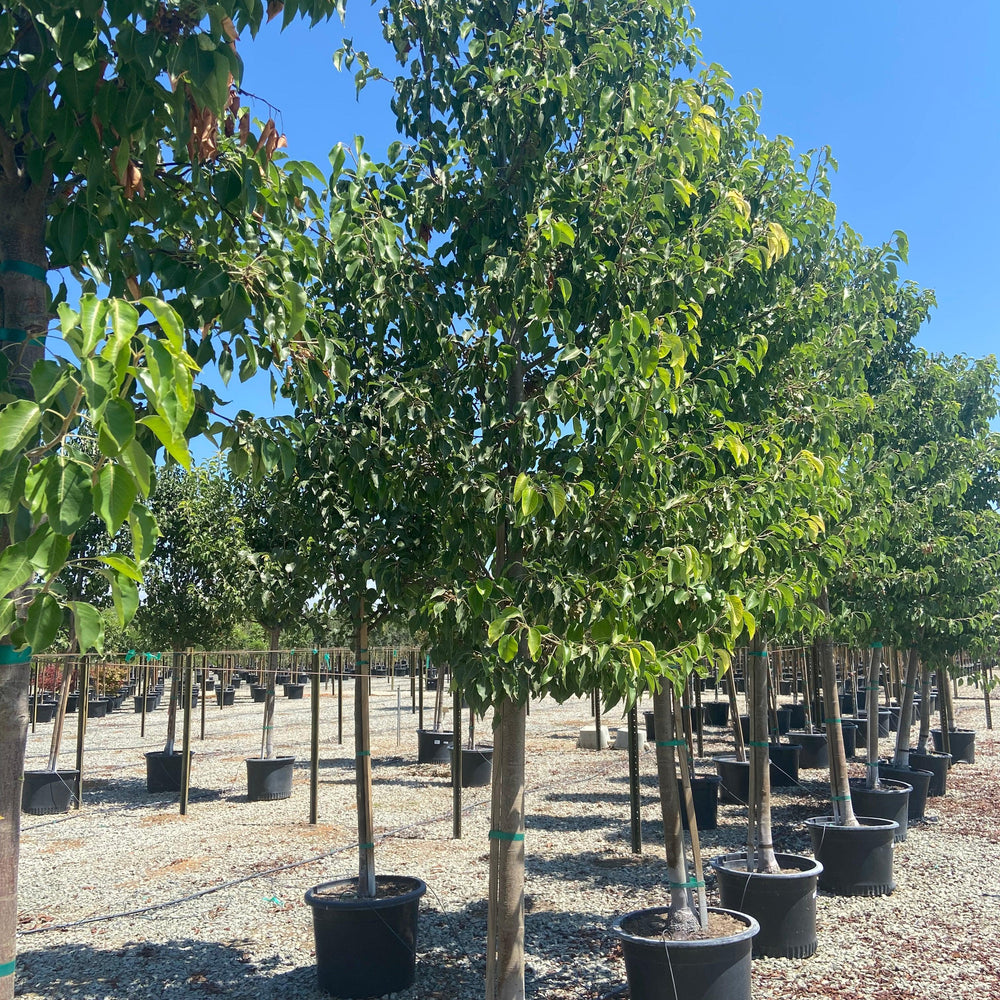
(434, 747)
(366, 947)
(702, 968)
(477, 767)
(163, 771)
(857, 860)
(937, 764)
(889, 801)
(269, 779)
(963, 744)
(784, 904)
(46, 792)
(919, 781)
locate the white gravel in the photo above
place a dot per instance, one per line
(249, 933)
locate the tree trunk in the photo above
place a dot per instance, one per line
(24, 321)
(840, 790)
(902, 756)
(60, 719)
(505, 913)
(871, 715)
(760, 846)
(267, 736)
(363, 758)
(172, 707)
(680, 916)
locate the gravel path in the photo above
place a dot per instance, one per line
(183, 908)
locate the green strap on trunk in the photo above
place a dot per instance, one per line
(671, 743)
(7, 969)
(10, 656)
(503, 835)
(24, 267)
(690, 884)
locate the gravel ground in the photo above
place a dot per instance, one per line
(219, 892)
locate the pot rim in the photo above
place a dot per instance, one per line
(801, 733)
(356, 903)
(889, 766)
(57, 773)
(914, 752)
(751, 930)
(895, 785)
(958, 730)
(163, 753)
(271, 760)
(727, 863)
(867, 823)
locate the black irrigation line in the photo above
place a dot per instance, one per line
(415, 825)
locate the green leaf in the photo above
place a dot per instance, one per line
(531, 500)
(123, 565)
(534, 643)
(43, 621)
(15, 569)
(68, 495)
(89, 626)
(169, 320)
(175, 444)
(144, 532)
(18, 423)
(114, 496)
(12, 485)
(115, 427)
(507, 647)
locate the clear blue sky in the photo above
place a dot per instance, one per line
(903, 91)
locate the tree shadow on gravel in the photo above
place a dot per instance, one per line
(130, 793)
(171, 970)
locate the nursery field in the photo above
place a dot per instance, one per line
(125, 898)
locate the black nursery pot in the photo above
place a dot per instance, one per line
(650, 731)
(269, 779)
(258, 692)
(46, 792)
(163, 771)
(225, 696)
(710, 969)
(715, 713)
(850, 732)
(937, 764)
(705, 794)
(434, 747)
(44, 711)
(798, 717)
(477, 767)
(784, 904)
(815, 752)
(150, 700)
(857, 860)
(97, 709)
(963, 744)
(734, 779)
(366, 947)
(890, 801)
(918, 779)
(784, 717)
(294, 691)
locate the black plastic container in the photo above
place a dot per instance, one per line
(259, 693)
(734, 779)
(98, 708)
(715, 713)
(711, 969)
(477, 767)
(294, 692)
(43, 712)
(269, 779)
(366, 947)
(785, 763)
(163, 771)
(650, 731)
(46, 792)
(850, 732)
(815, 752)
(784, 904)
(225, 696)
(150, 702)
(705, 794)
(918, 779)
(937, 764)
(857, 860)
(434, 747)
(963, 744)
(798, 716)
(784, 717)
(890, 801)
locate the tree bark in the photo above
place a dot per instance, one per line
(267, 736)
(902, 756)
(505, 914)
(840, 790)
(760, 846)
(871, 715)
(680, 916)
(363, 758)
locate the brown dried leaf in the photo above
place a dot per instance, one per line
(265, 136)
(244, 129)
(230, 29)
(282, 141)
(133, 287)
(274, 8)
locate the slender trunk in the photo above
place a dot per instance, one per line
(902, 756)
(734, 717)
(760, 846)
(60, 720)
(840, 791)
(172, 707)
(267, 734)
(925, 707)
(363, 758)
(667, 742)
(871, 702)
(987, 684)
(505, 913)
